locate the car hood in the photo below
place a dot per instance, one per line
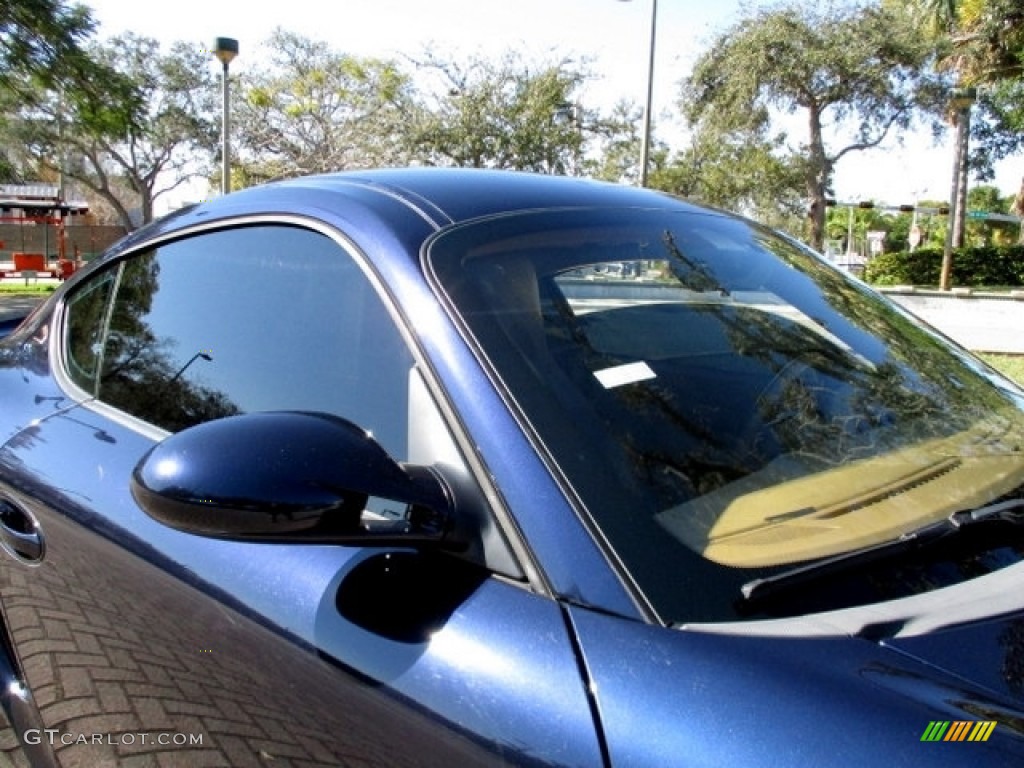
(722, 696)
(989, 654)
(973, 630)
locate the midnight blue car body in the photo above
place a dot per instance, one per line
(492, 620)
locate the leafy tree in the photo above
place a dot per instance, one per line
(981, 41)
(933, 226)
(615, 150)
(997, 131)
(43, 50)
(983, 233)
(978, 44)
(896, 225)
(744, 171)
(10, 172)
(314, 110)
(839, 66)
(997, 32)
(838, 227)
(41, 41)
(509, 114)
(172, 121)
(897, 231)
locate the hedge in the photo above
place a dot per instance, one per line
(972, 267)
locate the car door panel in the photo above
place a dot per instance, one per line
(495, 653)
(127, 627)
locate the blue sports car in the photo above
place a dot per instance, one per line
(458, 467)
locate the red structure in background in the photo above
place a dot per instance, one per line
(35, 205)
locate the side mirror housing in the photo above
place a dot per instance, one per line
(290, 476)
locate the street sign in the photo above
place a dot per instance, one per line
(1005, 218)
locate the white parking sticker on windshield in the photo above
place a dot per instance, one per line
(621, 375)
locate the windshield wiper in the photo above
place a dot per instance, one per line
(969, 516)
(758, 590)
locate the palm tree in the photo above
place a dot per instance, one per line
(942, 20)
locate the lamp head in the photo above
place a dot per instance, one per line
(225, 49)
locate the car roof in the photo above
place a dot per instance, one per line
(436, 197)
(452, 195)
(468, 193)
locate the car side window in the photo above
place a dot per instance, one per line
(87, 316)
(256, 318)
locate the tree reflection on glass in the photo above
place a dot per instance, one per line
(794, 359)
(141, 373)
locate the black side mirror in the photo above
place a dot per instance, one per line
(290, 477)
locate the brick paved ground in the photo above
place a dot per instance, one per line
(110, 646)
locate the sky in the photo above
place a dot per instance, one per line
(613, 34)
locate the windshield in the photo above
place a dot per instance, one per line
(722, 403)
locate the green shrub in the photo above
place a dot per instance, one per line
(15, 286)
(974, 267)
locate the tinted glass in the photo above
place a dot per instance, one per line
(252, 319)
(724, 404)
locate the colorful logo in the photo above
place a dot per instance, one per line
(959, 730)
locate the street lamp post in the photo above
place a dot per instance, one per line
(960, 106)
(645, 138)
(198, 355)
(225, 49)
